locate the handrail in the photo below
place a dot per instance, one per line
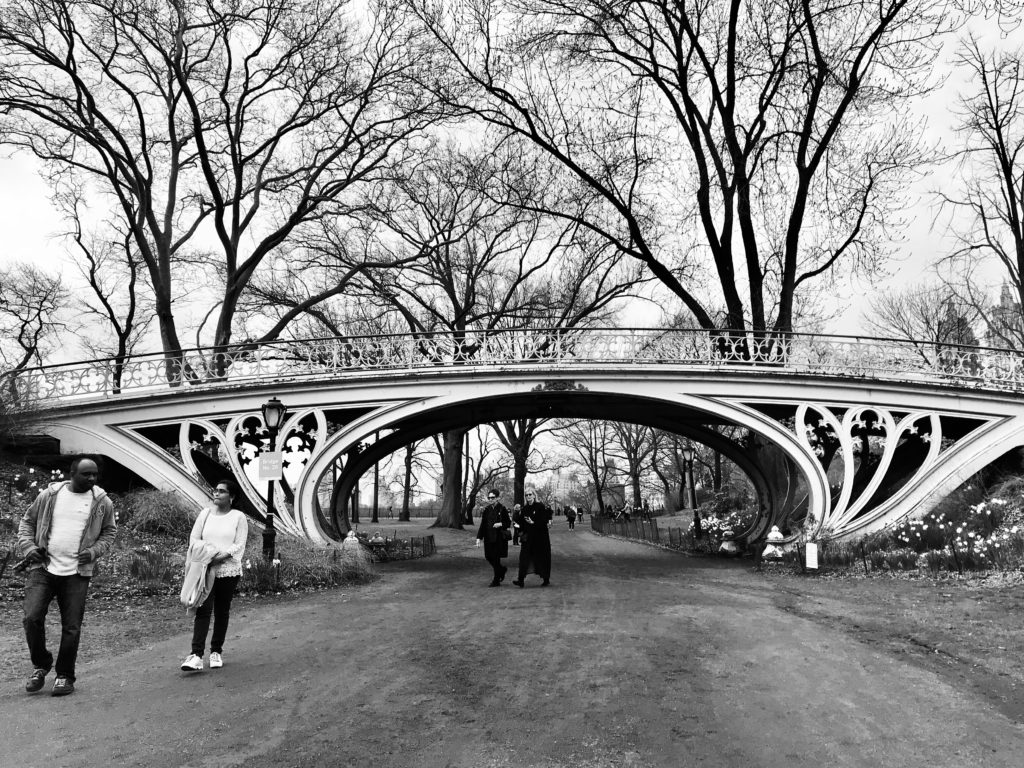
(293, 359)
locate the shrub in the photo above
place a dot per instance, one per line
(299, 564)
(154, 568)
(730, 500)
(157, 512)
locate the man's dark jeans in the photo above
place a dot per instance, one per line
(41, 587)
(218, 602)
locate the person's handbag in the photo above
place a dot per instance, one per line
(508, 534)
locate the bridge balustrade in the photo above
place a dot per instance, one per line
(325, 358)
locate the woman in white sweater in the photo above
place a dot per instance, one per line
(226, 529)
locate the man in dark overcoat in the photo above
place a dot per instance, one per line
(495, 523)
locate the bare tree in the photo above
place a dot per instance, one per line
(219, 131)
(485, 463)
(118, 301)
(781, 122)
(405, 476)
(474, 263)
(590, 441)
(519, 436)
(633, 444)
(933, 317)
(992, 194)
(31, 302)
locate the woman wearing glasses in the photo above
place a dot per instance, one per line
(535, 552)
(494, 533)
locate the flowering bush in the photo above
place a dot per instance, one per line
(154, 569)
(718, 529)
(735, 500)
(987, 533)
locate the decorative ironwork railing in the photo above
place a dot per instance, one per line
(325, 358)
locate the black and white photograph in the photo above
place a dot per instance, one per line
(493, 383)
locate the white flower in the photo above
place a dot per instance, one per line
(275, 562)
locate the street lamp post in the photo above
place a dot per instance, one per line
(274, 412)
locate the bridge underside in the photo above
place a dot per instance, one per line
(839, 458)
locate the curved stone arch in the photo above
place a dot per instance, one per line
(364, 460)
(134, 452)
(386, 418)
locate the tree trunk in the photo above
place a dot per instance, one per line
(717, 482)
(376, 494)
(468, 499)
(598, 490)
(450, 514)
(518, 476)
(403, 515)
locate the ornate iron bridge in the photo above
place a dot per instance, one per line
(841, 435)
(881, 359)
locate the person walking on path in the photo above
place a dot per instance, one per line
(69, 526)
(516, 530)
(570, 516)
(225, 528)
(535, 552)
(495, 531)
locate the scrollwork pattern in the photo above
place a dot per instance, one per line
(809, 354)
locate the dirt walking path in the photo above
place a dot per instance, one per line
(633, 657)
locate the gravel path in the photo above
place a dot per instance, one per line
(633, 657)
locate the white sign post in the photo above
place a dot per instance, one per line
(271, 466)
(811, 551)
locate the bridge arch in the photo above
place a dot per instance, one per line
(670, 409)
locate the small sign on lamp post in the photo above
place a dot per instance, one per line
(271, 466)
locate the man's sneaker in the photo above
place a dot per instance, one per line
(62, 687)
(35, 683)
(216, 661)
(192, 664)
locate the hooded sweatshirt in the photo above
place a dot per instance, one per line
(97, 537)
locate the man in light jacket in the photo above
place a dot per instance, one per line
(67, 529)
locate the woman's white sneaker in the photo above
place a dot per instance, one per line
(216, 661)
(192, 664)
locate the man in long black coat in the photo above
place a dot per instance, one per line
(535, 552)
(494, 522)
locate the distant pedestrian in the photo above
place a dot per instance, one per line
(517, 530)
(69, 526)
(570, 516)
(535, 554)
(218, 540)
(494, 533)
